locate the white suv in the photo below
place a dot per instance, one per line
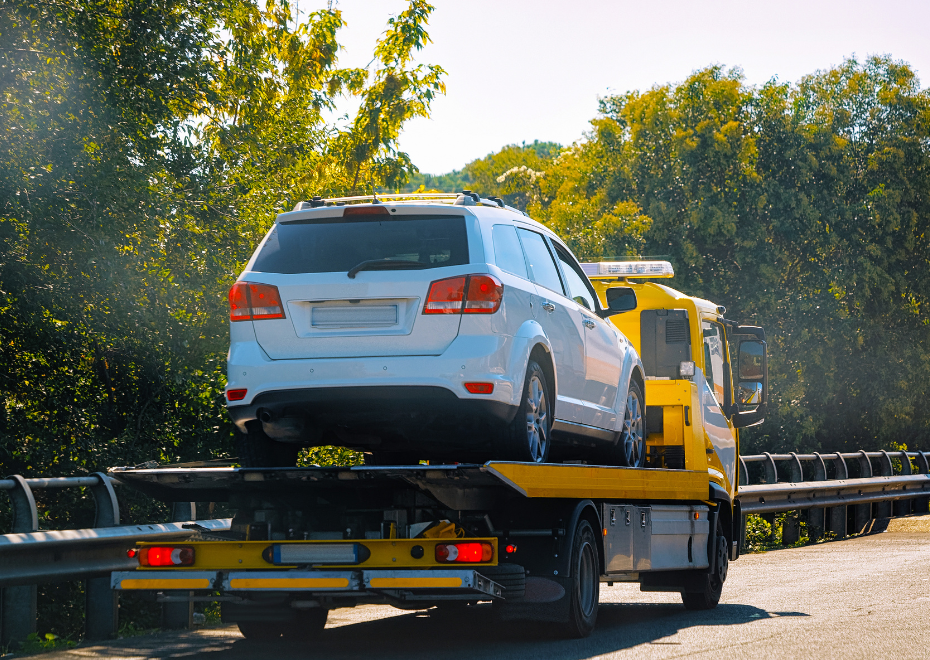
(452, 328)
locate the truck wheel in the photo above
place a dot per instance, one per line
(584, 593)
(258, 450)
(528, 437)
(632, 443)
(512, 577)
(711, 583)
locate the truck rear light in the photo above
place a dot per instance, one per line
(480, 388)
(468, 294)
(171, 555)
(235, 395)
(472, 552)
(254, 302)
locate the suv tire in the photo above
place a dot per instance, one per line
(630, 449)
(528, 437)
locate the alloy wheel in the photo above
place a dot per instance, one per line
(537, 420)
(633, 437)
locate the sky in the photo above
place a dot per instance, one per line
(520, 70)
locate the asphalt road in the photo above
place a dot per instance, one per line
(867, 597)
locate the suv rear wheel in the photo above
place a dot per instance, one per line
(630, 449)
(529, 436)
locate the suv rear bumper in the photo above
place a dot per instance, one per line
(368, 416)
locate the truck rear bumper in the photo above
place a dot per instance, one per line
(405, 584)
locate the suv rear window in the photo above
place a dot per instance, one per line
(336, 245)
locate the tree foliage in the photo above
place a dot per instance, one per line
(147, 147)
(802, 207)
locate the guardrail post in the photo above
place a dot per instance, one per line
(816, 518)
(790, 529)
(791, 524)
(795, 470)
(863, 512)
(771, 477)
(176, 616)
(922, 504)
(903, 507)
(837, 521)
(884, 509)
(101, 603)
(743, 479)
(18, 604)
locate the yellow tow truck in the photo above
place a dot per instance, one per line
(536, 540)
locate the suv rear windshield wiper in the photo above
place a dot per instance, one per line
(385, 264)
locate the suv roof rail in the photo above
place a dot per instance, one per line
(464, 198)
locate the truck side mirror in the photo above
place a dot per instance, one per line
(752, 383)
(619, 299)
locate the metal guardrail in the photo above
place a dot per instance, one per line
(29, 557)
(829, 501)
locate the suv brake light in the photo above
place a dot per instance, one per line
(448, 296)
(254, 302)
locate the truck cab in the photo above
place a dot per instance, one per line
(706, 376)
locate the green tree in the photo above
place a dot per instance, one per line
(801, 207)
(148, 146)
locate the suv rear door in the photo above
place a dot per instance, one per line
(561, 320)
(354, 286)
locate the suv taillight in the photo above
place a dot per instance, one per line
(466, 294)
(254, 302)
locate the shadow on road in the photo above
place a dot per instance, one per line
(475, 634)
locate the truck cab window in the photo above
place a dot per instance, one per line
(714, 358)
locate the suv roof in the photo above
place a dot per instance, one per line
(417, 202)
(464, 198)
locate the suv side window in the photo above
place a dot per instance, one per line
(578, 289)
(542, 266)
(508, 255)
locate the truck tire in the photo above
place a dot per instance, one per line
(529, 436)
(711, 584)
(511, 577)
(258, 450)
(304, 628)
(584, 591)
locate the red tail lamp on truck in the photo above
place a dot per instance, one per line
(168, 555)
(464, 553)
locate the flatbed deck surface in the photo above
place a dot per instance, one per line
(504, 478)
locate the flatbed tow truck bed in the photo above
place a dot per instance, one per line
(536, 540)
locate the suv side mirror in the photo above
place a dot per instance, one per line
(619, 299)
(751, 384)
